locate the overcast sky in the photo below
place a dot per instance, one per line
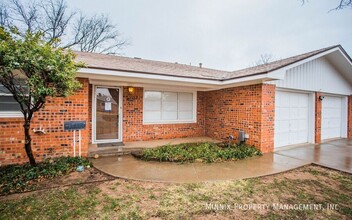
(224, 34)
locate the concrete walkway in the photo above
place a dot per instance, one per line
(334, 154)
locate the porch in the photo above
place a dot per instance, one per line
(128, 147)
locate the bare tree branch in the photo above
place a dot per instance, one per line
(27, 14)
(344, 4)
(264, 59)
(53, 18)
(57, 19)
(97, 34)
(341, 5)
(4, 16)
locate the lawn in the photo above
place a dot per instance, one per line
(141, 200)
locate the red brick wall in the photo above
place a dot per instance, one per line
(248, 108)
(317, 127)
(349, 117)
(268, 118)
(56, 142)
(134, 130)
(219, 114)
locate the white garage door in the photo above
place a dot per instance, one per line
(291, 118)
(331, 117)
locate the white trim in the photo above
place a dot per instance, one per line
(192, 121)
(344, 55)
(94, 105)
(89, 71)
(130, 77)
(293, 90)
(14, 114)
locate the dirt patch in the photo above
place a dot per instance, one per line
(290, 175)
(88, 175)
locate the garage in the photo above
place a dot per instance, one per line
(333, 123)
(291, 118)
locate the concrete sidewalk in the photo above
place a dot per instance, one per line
(335, 154)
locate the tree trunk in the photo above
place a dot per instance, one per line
(28, 143)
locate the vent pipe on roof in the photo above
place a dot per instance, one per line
(200, 65)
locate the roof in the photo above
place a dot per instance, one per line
(137, 65)
(275, 65)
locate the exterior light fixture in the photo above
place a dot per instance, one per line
(131, 90)
(321, 98)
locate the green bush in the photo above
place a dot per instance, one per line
(207, 152)
(17, 178)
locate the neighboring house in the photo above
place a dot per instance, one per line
(302, 99)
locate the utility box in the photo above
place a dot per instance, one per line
(241, 136)
(74, 125)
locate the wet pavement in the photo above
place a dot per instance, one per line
(334, 154)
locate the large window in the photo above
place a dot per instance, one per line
(169, 107)
(8, 105)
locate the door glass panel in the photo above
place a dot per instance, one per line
(107, 113)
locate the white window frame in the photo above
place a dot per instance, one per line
(194, 118)
(10, 114)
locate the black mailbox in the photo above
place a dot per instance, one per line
(74, 125)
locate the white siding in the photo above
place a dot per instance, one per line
(315, 75)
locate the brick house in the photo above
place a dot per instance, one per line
(302, 99)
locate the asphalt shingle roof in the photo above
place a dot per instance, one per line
(137, 65)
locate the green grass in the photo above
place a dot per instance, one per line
(120, 199)
(205, 152)
(17, 178)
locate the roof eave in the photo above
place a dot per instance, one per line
(136, 79)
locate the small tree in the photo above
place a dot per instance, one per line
(31, 69)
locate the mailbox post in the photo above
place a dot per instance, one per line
(75, 126)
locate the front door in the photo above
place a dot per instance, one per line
(107, 117)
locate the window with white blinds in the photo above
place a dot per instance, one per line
(9, 107)
(169, 107)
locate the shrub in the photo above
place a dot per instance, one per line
(17, 178)
(207, 152)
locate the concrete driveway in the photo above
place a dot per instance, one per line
(334, 154)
